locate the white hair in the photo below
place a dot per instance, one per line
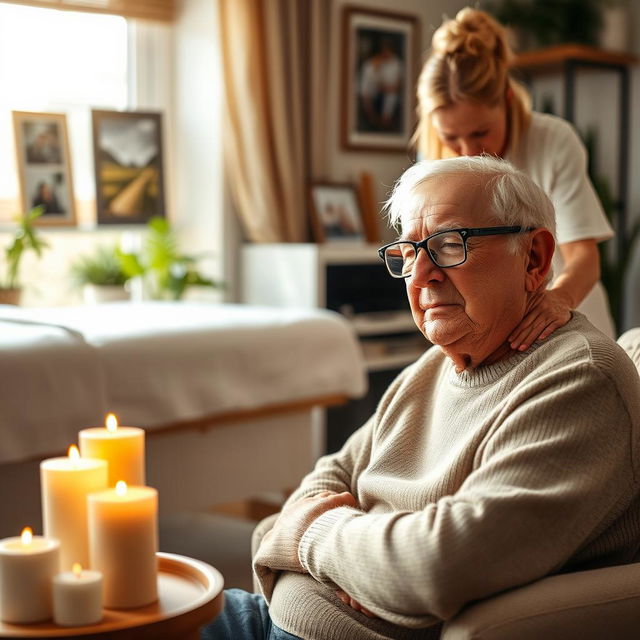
(513, 198)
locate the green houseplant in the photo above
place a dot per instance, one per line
(25, 238)
(549, 22)
(165, 271)
(100, 275)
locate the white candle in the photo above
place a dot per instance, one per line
(121, 447)
(27, 564)
(65, 484)
(77, 597)
(123, 540)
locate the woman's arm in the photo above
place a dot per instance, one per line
(552, 308)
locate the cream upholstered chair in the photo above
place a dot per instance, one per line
(586, 605)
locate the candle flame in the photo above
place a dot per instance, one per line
(73, 453)
(77, 569)
(112, 422)
(121, 488)
(26, 536)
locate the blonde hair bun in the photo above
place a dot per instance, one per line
(472, 33)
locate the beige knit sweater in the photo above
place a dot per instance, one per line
(468, 484)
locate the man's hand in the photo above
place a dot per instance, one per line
(354, 604)
(280, 544)
(549, 311)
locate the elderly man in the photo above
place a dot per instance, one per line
(484, 467)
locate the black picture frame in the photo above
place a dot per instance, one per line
(129, 174)
(380, 51)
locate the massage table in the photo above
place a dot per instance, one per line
(230, 396)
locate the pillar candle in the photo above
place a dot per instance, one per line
(123, 540)
(27, 565)
(65, 484)
(121, 447)
(77, 597)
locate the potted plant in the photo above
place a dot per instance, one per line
(166, 271)
(24, 238)
(542, 23)
(100, 276)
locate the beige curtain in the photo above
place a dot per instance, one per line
(268, 83)
(145, 9)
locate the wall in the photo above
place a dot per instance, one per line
(346, 166)
(201, 210)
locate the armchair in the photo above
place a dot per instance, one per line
(586, 605)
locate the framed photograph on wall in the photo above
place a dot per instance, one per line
(127, 151)
(336, 213)
(380, 51)
(44, 167)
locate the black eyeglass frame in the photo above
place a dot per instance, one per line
(465, 234)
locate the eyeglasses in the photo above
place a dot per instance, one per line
(445, 248)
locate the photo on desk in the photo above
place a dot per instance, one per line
(127, 149)
(44, 168)
(336, 213)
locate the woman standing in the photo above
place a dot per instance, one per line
(468, 105)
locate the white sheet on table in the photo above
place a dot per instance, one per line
(51, 385)
(166, 362)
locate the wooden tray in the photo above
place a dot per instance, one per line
(189, 595)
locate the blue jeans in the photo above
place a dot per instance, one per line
(245, 617)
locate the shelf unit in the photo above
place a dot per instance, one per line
(352, 280)
(569, 59)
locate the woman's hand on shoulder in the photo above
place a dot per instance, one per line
(549, 310)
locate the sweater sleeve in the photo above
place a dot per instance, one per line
(550, 477)
(335, 473)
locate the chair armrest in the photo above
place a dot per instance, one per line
(256, 538)
(595, 604)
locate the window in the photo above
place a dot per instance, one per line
(59, 62)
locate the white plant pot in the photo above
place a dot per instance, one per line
(95, 294)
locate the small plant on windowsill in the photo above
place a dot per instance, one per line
(25, 238)
(165, 271)
(100, 276)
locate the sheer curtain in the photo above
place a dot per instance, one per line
(269, 59)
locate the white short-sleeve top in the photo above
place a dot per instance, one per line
(553, 156)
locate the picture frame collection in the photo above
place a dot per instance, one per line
(380, 61)
(127, 149)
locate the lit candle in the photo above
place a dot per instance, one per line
(27, 564)
(77, 597)
(121, 447)
(65, 484)
(123, 540)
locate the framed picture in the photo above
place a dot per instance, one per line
(336, 213)
(380, 52)
(127, 151)
(44, 168)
